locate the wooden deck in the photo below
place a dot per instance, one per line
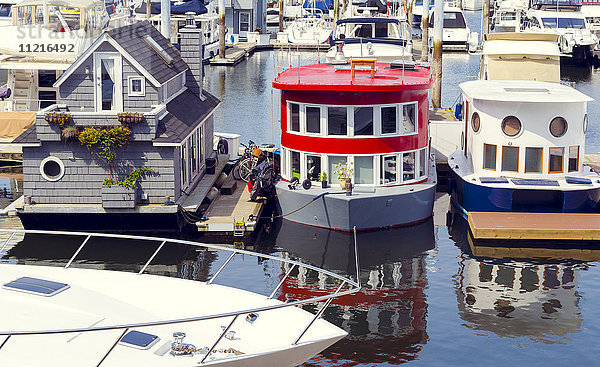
(235, 54)
(535, 226)
(229, 215)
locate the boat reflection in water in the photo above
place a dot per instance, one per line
(527, 290)
(386, 320)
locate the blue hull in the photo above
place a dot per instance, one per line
(481, 198)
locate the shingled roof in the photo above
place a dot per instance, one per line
(185, 112)
(27, 137)
(130, 39)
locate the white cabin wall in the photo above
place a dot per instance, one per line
(535, 119)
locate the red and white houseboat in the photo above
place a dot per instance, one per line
(365, 119)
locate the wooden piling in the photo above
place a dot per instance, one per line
(425, 32)
(222, 29)
(438, 30)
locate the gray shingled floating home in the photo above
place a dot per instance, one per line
(128, 69)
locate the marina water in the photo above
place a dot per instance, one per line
(429, 298)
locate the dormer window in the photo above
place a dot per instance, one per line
(137, 86)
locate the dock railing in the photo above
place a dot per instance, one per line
(354, 286)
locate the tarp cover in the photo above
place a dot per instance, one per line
(195, 6)
(12, 124)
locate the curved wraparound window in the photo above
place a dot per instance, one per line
(352, 121)
(381, 170)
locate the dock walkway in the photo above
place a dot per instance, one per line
(193, 201)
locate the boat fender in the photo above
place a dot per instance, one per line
(221, 180)
(212, 194)
(458, 111)
(306, 184)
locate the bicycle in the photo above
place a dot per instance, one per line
(243, 166)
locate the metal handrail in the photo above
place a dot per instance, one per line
(338, 293)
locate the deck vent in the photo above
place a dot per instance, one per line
(158, 49)
(493, 180)
(526, 90)
(534, 182)
(402, 64)
(139, 340)
(578, 180)
(37, 286)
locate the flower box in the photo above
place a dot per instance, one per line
(118, 197)
(130, 117)
(59, 118)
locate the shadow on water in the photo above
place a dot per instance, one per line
(524, 289)
(386, 320)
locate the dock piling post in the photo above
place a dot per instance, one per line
(281, 15)
(438, 31)
(222, 29)
(485, 25)
(425, 32)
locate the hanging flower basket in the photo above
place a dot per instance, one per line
(130, 117)
(59, 118)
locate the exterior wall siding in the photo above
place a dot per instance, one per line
(82, 181)
(77, 92)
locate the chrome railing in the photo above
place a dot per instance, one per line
(328, 298)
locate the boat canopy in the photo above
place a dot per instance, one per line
(194, 6)
(322, 5)
(368, 20)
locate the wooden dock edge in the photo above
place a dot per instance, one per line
(534, 226)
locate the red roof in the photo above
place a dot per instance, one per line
(328, 77)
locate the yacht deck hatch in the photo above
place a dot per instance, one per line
(37, 286)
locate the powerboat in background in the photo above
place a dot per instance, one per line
(6, 11)
(372, 35)
(563, 17)
(86, 316)
(456, 35)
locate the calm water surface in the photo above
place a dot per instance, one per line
(429, 297)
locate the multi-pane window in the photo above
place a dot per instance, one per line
(294, 117)
(334, 160)
(489, 156)
(363, 120)
(574, 159)
(363, 170)
(409, 122)
(556, 160)
(313, 167)
(295, 164)
(388, 169)
(313, 119)
(510, 158)
(388, 120)
(337, 121)
(376, 120)
(408, 166)
(533, 160)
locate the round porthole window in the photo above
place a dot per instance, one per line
(475, 123)
(585, 123)
(558, 127)
(52, 169)
(511, 126)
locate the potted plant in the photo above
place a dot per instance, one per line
(324, 180)
(344, 171)
(59, 118)
(69, 133)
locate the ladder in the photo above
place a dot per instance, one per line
(23, 90)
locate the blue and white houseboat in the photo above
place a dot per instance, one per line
(522, 149)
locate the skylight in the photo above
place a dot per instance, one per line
(158, 49)
(37, 286)
(526, 90)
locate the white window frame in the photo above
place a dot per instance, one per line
(350, 120)
(118, 97)
(133, 93)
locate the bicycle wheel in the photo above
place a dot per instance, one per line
(246, 166)
(235, 172)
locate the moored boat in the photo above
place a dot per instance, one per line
(364, 129)
(80, 317)
(522, 149)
